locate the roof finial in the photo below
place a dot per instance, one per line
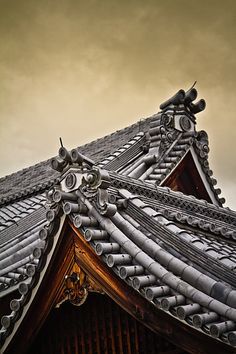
(193, 85)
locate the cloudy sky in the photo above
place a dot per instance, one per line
(82, 69)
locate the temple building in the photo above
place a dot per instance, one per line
(121, 245)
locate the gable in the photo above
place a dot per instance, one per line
(186, 179)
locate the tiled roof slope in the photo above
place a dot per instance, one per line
(41, 176)
(20, 244)
(184, 269)
(19, 216)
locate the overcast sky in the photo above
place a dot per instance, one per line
(82, 69)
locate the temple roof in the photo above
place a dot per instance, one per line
(145, 202)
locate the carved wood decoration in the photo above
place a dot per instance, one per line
(76, 287)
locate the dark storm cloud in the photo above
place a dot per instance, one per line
(81, 69)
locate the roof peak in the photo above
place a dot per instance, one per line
(183, 100)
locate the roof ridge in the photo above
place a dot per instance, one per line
(23, 169)
(40, 181)
(80, 146)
